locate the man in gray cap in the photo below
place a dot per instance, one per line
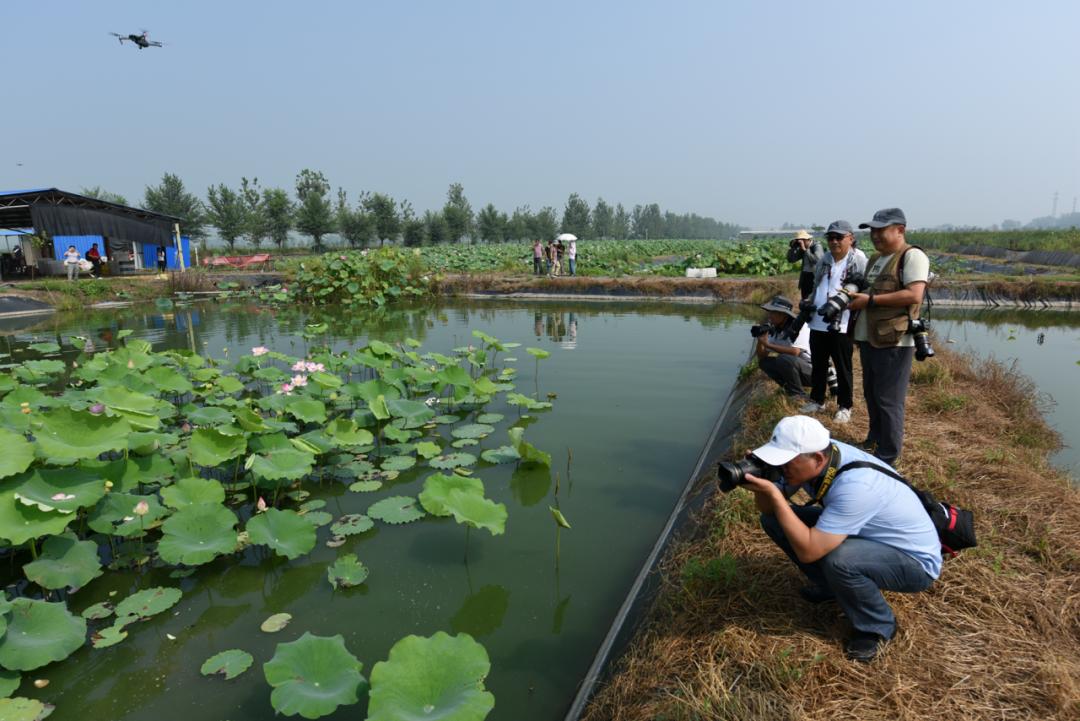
(782, 355)
(897, 274)
(809, 251)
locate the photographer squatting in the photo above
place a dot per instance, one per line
(870, 532)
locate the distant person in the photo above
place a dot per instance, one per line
(803, 247)
(571, 257)
(549, 256)
(18, 262)
(785, 360)
(538, 257)
(71, 262)
(94, 256)
(556, 258)
(161, 259)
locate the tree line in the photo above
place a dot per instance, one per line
(267, 215)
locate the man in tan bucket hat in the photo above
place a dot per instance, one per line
(809, 251)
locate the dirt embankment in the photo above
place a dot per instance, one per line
(995, 638)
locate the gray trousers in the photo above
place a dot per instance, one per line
(885, 376)
(791, 372)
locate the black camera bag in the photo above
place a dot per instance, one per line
(955, 526)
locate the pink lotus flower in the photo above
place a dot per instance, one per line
(299, 365)
(97, 409)
(341, 257)
(287, 388)
(259, 350)
(141, 508)
(299, 381)
(312, 367)
(260, 505)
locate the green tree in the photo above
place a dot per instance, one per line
(314, 215)
(620, 223)
(504, 228)
(412, 228)
(171, 198)
(519, 225)
(384, 214)
(101, 194)
(575, 217)
(355, 226)
(436, 228)
(226, 212)
(457, 213)
(602, 219)
(545, 224)
(489, 224)
(253, 204)
(277, 212)
(648, 221)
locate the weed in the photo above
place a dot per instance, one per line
(720, 572)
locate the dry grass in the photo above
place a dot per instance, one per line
(995, 638)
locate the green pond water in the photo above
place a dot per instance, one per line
(638, 389)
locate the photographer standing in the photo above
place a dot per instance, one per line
(783, 353)
(870, 533)
(897, 275)
(804, 247)
(831, 340)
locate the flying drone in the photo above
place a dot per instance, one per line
(142, 41)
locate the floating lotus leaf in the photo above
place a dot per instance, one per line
(45, 347)
(64, 561)
(9, 681)
(489, 418)
(472, 430)
(446, 420)
(18, 453)
(452, 460)
(128, 473)
(517, 399)
(397, 434)
(441, 677)
(352, 524)
(314, 442)
(437, 488)
(98, 611)
(168, 380)
(346, 432)
(115, 514)
(269, 442)
(465, 443)
(286, 464)
(396, 510)
(24, 709)
(502, 454)
(228, 385)
(413, 413)
(346, 572)
(317, 518)
(312, 676)
(529, 453)
(306, 410)
(365, 486)
(398, 463)
(474, 510)
(229, 664)
(110, 635)
(312, 505)
(325, 380)
(39, 633)
(64, 490)
(67, 435)
(148, 602)
(335, 541)
(210, 447)
(210, 416)
(275, 623)
(32, 369)
(196, 534)
(19, 522)
(286, 532)
(427, 449)
(147, 443)
(189, 491)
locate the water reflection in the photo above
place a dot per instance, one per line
(482, 612)
(560, 327)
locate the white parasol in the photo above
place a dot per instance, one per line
(566, 236)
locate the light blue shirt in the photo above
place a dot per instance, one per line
(865, 503)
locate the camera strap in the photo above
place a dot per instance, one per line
(827, 478)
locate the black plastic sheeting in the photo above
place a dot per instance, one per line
(699, 488)
(67, 220)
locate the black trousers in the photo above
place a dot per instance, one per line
(839, 348)
(806, 284)
(885, 375)
(791, 372)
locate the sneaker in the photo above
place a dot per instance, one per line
(811, 407)
(864, 647)
(816, 594)
(842, 416)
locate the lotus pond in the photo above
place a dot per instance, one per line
(222, 511)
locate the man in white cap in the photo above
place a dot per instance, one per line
(870, 532)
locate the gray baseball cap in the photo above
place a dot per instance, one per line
(840, 227)
(886, 217)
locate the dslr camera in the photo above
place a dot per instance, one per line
(854, 282)
(919, 329)
(733, 473)
(760, 329)
(806, 311)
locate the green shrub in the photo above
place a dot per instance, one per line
(374, 277)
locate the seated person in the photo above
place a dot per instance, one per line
(870, 532)
(785, 360)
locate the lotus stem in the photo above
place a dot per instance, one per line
(556, 484)
(33, 549)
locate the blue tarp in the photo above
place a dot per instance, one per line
(82, 244)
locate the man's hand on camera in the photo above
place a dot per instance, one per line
(858, 301)
(766, 494)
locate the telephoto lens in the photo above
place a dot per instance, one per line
(919, 330)
(806, 310)
(733, 473)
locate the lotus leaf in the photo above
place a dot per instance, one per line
(365, 486)
(228, 385)
(210, 416)
(32, 369)
(346, 432)
(326, 380)
(455, 375)
(98, 611)
(437, 488)
(465, 443)
(45, 347)
(188, 491)
(271, 375)
(65, 490)
(446, 419)
(427, 449)
(148, 602)
(269, 443)
(286, 464)
(502, 454)
(441, 677)
(472, 430)
(313, 505)
(196, 534)
(229, 664)
(306, 410)
(275, 623)
(397, 434)
(18, 453)
(145, 443)
(24, 709)
(529, 453)
(317, 518)
(560, 519)
(396, 510)
(489, 418)
(64, 562)
(210, 447)
(352, 524)
(313, 442)
(482, 612)
(9, 681)
(414, 413)
(346, 572)
(119, 398)
(128, 473)
(110, 635)
(378, 408)
(168, 380)
(312, 676)
(115, 514)
(398, 463)
(474, 510)
(67, 435)
(452, 460)
(19, 523)
(286, 532)
(39, 633)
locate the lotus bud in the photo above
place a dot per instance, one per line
(41, 682)
(260, 504)
(131, 364)
(97, 409)
(141, 508)
(108, 485)
(186, 428)
(24, 408)
(74, 364)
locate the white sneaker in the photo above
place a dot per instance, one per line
(811, 407)
(842, 416)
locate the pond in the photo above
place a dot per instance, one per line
(1046, 346)
(635, 388)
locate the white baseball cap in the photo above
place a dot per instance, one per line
(792, 436)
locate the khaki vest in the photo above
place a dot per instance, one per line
(886, 325)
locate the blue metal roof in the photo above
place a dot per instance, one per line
(28, 190)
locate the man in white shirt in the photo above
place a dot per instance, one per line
(780, 356)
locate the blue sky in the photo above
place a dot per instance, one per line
(752, 112)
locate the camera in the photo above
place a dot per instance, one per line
(760, 329)
(733, 473)
(806, 310)
(919, 330)
(834, 307)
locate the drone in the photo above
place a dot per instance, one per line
(142, 41)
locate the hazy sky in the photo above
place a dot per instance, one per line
(752, 112)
